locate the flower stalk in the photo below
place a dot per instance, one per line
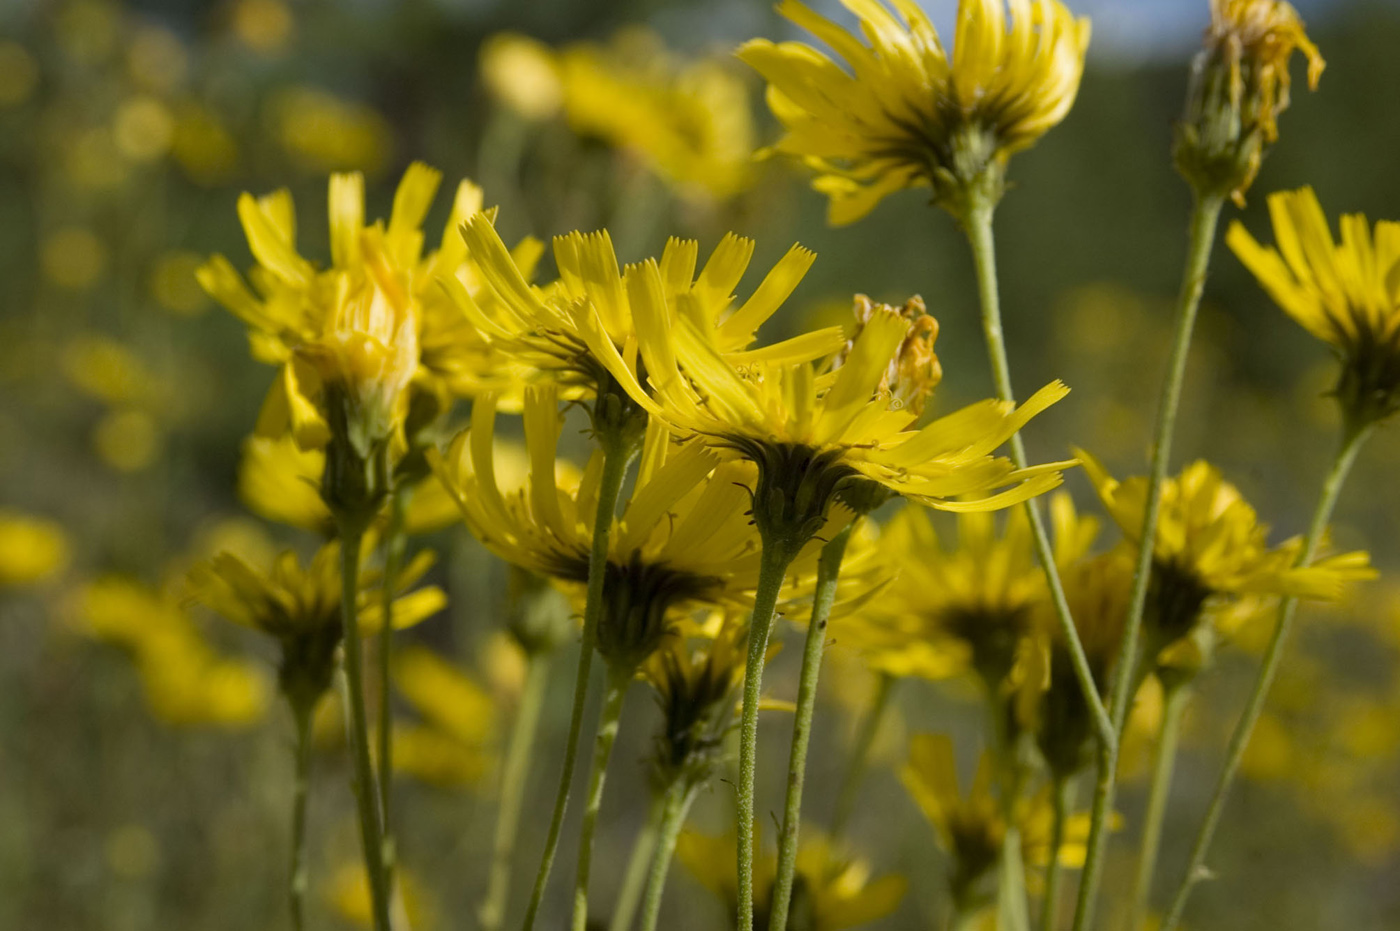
(297, 878)
(677, 805)
(1205, 217)
(619, 679)
(395, 541)
(828, 574)
(514, 776)
(1178, 696)
(1353, 437)
(1062, 798)
(634, 877)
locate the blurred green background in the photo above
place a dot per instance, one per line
(127, 132)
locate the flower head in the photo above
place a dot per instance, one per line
(812, 432)
(31, 549)
(1211, 548)
(903, 113)
(299, 606)
(454, 743)
(831, 892)
(683, 539)
(1346, 294)
(1239, 86)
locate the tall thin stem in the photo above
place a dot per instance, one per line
(828, 573)
(608, 719)
(634, 877)
(297, 878)
(678, 799)
(366, 795)
(773, 565)
(978, 226)
(514, 775)
(1062, 798)
(616, 456)
(1174, 707)
(394, 543)
(1205, 216)
(869, 728)
(1350, 447)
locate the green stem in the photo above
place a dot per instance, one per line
(860, 757)
(678, 799)
(828, 573)
(297, 881)
(1174, 707)
(1352, 440)
(1062, 798)
(366, 796)
(978, 226)
(514, 776)
(394, 543)
(634, 877)
(1013, 913)
(773, 565)
(616, 456)
(1205, 216)
(608, 719)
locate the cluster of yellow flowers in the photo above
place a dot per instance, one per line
(729, 480)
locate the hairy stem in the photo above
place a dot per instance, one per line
(677, 805)
(1350, 447)
(394, 543)
(608, 720)
(366, 795)
(1205, 217)
(828, 573)
(514, 776)
(775, 559)
(297, 879)
(616, 456)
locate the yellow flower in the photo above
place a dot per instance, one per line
(1346, 294)
(688, 121)
(522, 74)
(683, 539)
(370, 322)
(814, 433)
(905, 114)
(1211, 548)
(1239, 86)
(455, 746)
(300, 608)
(349, 894)
(584, 330)
(832, 891)
(32, 549)
(186, 682)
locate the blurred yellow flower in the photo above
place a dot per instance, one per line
(73, 258)
(327, 133)
(970, 826)
(348, 893)
(32, 549)
(156, 59)
(108, 370)
(522, 74)
(186, 682)
(128, 439)
(688, 121)
(456, 744)
(262, 25)
(143, 128)
(833, 891)
(905, 114)
(1346, 294)
(204, 147)
(173, 283)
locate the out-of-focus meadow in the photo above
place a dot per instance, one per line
(144, 764)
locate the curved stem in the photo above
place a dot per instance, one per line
(860, 757)
(773, 564)
(394, 543)
(298, 880)
(608, 719)
(978, 226)
(634, 877)
(616, 456)
(678, 799)
(514, 776)
(1347, 452)
(1174, 707)
(1062, 799)
(828, 573)
(366, 796)
(1205, 216)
